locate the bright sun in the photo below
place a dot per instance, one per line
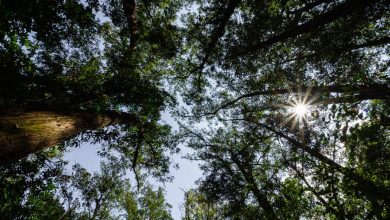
(300, 110)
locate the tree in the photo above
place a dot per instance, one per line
(44, 189)
(292, 96)
(333, 51)
(28, 188)
(259, 166)
(196, 206)
(252, 65)
(67, 72)
(249, 169)
(76, 71)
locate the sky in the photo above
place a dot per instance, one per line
(184, 177)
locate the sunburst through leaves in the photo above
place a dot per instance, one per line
(298, 109)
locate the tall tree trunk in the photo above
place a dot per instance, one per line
(130, 10)
(27, 131)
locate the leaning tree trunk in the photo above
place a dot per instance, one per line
(27, 131)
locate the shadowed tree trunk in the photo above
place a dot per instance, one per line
(26, 131)
(130, 10)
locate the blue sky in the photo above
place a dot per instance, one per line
(184, 177)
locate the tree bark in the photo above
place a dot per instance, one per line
(23, 131)
(130, 10)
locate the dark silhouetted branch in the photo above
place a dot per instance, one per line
(378, 91)
(364, 185)
(130, 10)
(340, 11)
(219, 31)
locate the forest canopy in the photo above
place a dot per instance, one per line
(285, 104)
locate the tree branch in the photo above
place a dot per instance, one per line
(378, 91)
(260, 197)
(322, 200)
(342, 10)
(340, 50)
(220, 30)
(130, 10)
(364, 185)
(218, 33)
(136, 154)
(309, 6)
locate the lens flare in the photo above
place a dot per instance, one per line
(300, 110)
(297, 113)
(297, 109)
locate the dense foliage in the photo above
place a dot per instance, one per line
(286, 103)
(42, 188)
(260, 63)
(86, 57)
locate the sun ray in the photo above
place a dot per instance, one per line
(295, 121)
(287, 120)
(308, 92)
(298, 108)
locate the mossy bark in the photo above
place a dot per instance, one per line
(24, 132)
